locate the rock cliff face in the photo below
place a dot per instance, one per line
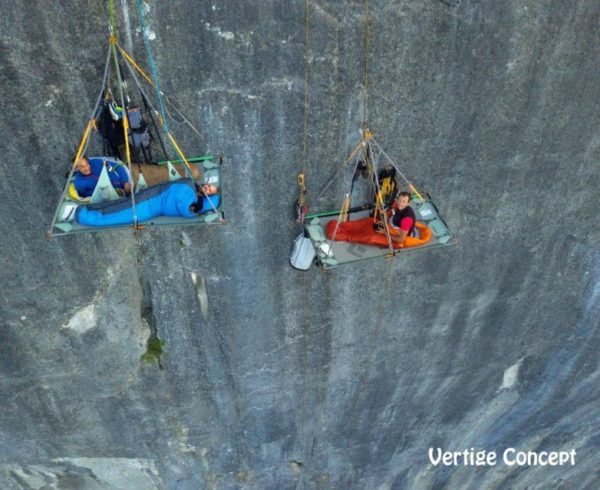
(273, 378)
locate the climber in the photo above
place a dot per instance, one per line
(177, 198)
(403, 219)
(88, 172)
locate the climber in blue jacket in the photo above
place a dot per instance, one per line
(176, 198)
(87, 172)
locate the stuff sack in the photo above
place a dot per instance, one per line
(303, 253)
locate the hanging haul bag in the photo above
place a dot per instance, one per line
(388, 185)
(303, 253)
(139, 135)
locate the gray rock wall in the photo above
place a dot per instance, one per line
(339, 379)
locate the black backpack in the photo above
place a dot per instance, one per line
(111, 131)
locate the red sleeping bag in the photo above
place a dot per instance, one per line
(362, 231)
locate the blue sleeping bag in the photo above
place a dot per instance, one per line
(167, 199)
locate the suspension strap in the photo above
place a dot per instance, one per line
(410, 185)
(380, 206)
(353, 153)
(146, 77)
(149, 111)
(133, 63)
(343, 215)
(85, 139)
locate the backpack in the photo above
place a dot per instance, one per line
(140, 137)
(388, 185)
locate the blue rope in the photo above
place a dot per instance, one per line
(152, 66)
(155, 78)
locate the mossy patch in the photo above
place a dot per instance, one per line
(154, 351)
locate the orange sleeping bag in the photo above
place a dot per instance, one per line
(362, 231)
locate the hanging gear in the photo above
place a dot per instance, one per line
(388, 185)
(303, 253)
(301, 207)
(345, 209)
(116, 111)
(110, 125)
(156, 131)
(362, 169)
(140, 137)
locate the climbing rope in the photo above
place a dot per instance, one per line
(156, 85)
(305, 436)
(151, 63)
(366, 67)
(167, 99)
(112, 17)
(305, 114)
(371, 348)
(301, 205)
(365, 131)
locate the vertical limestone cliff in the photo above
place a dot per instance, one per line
(270, 378)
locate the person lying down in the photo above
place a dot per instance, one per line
(180, 198)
